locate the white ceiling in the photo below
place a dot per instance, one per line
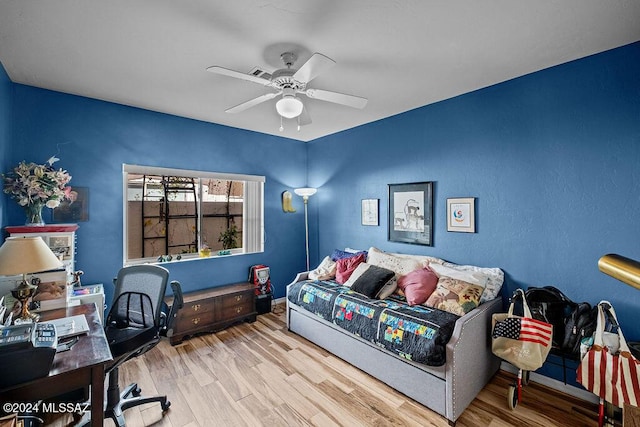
(400, 54)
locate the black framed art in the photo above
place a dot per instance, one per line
(411, 213)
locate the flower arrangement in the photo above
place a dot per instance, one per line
(34, 186)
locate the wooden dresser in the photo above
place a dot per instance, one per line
(213, 309)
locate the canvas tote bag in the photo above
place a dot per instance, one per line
(614, 377)
(522, 341)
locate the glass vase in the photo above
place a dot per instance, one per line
(34, 214)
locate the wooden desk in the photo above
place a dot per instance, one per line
(83, 365)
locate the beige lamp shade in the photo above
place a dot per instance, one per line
(24, 255)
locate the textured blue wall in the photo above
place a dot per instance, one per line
(94, 138)
(6, 101)
(552, 158)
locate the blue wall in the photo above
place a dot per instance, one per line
(94, 138)
(552, 158)
(6, 100)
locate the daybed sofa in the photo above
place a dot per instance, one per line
(446, 389)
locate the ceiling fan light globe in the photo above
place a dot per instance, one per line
(289, 107)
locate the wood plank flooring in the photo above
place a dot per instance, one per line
(260, 374)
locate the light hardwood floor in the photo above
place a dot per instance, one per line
(259, 374)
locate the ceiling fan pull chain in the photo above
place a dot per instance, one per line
(281, 126)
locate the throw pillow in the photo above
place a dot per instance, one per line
(418, 285)
(397, 264)
(361, 268)
(455, 296)
(388, 289)
(346, 266)
(372, 280)
(325, 271)
(339, 254)
(495, 279)
(473, 277)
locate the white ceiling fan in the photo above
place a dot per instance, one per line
(289, 82)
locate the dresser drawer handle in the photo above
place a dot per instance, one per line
(238, 298)
(196, 321)
(196, 307)
(239, 310)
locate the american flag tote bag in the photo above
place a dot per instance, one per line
(522, 341)
(613, 377)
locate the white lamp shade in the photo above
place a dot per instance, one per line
(289, 106)
(24, 255)
(306, 191)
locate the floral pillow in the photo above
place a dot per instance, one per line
(494, 279)
(455, 296)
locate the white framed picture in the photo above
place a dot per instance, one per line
(461, 215)
(370, 212)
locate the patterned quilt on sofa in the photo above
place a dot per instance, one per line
(416, 333)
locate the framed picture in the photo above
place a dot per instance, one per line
(411, 213)
(74, 210)
(370, 212)
(461, 215)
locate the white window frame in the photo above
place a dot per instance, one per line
(252, 213)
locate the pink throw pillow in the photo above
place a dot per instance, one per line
(418, 285)
(346, 266)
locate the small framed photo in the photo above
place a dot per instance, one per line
(370, 212)
(461, 215)
(74, 210)
(411, 213)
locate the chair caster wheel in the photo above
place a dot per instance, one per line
(512, 397)
(165, 406)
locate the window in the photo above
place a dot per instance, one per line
(172, 214)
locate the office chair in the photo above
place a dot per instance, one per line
(133, 326)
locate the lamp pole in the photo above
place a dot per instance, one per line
(306, 227)
(306, 193)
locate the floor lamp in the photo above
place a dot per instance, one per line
(305, 193)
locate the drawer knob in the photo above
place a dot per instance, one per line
(196, 307)
(196, 321)
(238, 298)
(239, 310)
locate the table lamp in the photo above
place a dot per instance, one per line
(25, 255)
(305, 193)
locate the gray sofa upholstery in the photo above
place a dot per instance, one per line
(447, 390)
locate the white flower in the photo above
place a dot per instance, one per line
(54, 203)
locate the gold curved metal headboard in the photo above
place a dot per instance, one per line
(621, 268)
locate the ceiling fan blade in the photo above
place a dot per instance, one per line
(239, 75)
(311, 69)
(252, 103)
(304, 118)
(338, 98)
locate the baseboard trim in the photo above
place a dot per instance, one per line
(554, 384)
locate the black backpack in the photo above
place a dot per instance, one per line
(571, 321)
(580, 324)
(550, 305)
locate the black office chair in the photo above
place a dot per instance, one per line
(136, 320)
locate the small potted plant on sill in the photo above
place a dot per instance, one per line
(229, 237)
